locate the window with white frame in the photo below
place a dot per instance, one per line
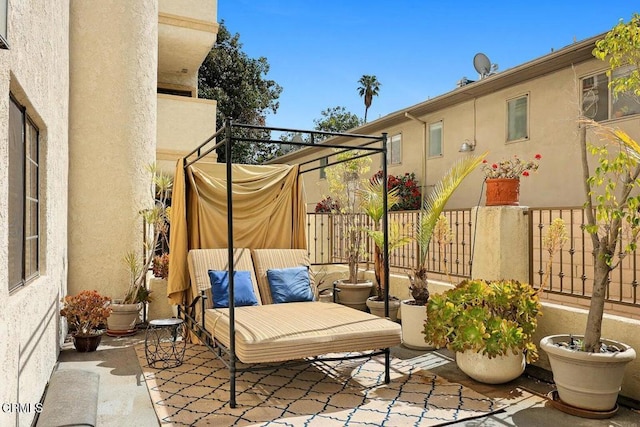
(24, 197)
(3, 24)
(517, 118)
(598, 103)
(323, 162)
(394, 150)
(435, 139)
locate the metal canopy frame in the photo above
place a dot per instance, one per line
(367, 145)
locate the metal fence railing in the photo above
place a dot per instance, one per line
(572, 268)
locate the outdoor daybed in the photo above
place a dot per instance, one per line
(255, 225)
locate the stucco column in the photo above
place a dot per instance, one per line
(501, 242)
(112, 136)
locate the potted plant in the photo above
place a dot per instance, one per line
(346, 181)
(503, 179)
(372, 198)
(413, 311)
(86, 312)
(126, 311)
(589, 370)
(489, 325)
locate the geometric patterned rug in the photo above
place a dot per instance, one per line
(341, 393)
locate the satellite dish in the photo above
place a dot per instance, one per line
(482, 64)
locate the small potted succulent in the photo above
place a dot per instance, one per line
(86, 312)
(489, 325)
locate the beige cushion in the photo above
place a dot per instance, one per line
(278, 332)
(200, 261)
(264, 259)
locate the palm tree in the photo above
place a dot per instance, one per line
(369, 87)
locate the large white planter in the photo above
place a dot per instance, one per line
(587, 380)
(413, 318)
(497, 370)
(377, 307)
(123, 319)
(354, 294)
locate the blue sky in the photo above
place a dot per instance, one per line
(319, 49)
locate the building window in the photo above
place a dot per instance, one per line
(598, 103)
(24, 197)
(3, 24)
(394, 150)
(517, 123)
(323, 162)
(435, 139)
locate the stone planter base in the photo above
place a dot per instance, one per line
(497, 370)
(86, 343)
(354, 295)
(377, 307)
(413, 318)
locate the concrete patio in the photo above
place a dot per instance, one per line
(123, 398)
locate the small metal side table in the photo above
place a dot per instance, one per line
(165, 343)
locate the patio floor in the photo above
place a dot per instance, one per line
(123, 398)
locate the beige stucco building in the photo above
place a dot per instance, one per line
(93, 92)
(526, 110)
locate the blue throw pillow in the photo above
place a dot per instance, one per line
(290, 284)
(243, 295)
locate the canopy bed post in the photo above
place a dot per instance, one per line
(228, 149)
(385, 250)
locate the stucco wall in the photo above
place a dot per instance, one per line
(112, 137)
(35, 70)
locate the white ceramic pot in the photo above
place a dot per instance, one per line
(413, 319)
(354, 294)
(497, 370)
(377, 307)
(587, 380)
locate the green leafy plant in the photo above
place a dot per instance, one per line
(490, 317)
(346, 182)
(372, 204)
(156, 223)
(432, 207)
(86, 311)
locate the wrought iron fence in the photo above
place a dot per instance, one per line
(572, 267)
(328, 244)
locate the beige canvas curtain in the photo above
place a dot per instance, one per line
(268, 212)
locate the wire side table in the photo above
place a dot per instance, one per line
(165, 343)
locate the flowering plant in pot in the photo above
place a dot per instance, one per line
(491, 318)
(346, 180)
(503, 179)
(589, 370)
(86, 312)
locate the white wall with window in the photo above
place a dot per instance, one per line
(518, 118)
(598, 101)
(435, 139)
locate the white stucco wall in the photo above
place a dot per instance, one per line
(112, 137)
(35, 70)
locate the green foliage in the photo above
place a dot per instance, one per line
(493, 318)
(621, 47)
(243, 92)
(369, 87)
(336, 119)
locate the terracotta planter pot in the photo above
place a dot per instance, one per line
(377, 307)
(503, 192)
(497, 370)
(587, 380)
(354, 295)
(86, 343)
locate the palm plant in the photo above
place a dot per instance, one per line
(371, 202)
(432, 207)
(369, 87)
